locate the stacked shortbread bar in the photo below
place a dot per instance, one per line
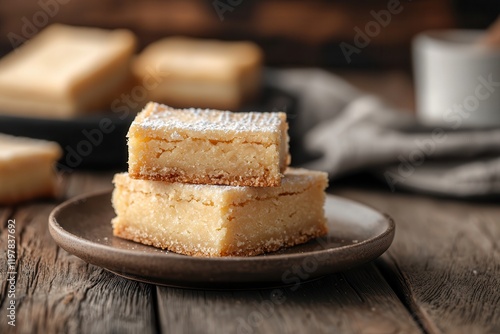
(215, 183)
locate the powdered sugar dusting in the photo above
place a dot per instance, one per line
(161, 117)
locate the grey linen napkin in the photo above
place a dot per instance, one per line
(354, 131)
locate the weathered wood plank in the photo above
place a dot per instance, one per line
(445, 256)
(358, 301)
(59, 293)
(445, 260)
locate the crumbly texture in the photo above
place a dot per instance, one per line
(213, 221)
(186, 72)
(204, 146)
(64, 71)
(27, 169)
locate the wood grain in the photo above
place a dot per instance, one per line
(292, 32)
(442, 273)
(358, 301)
(445, 259)
(59, 293)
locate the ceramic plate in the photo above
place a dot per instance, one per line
(357, 235)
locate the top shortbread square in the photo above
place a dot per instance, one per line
(208, 146)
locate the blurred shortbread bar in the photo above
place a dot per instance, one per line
(206, 146)
(212, 221)
(64, 71)
(27, 168)
(200, 73)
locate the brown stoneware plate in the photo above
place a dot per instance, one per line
(357, 235)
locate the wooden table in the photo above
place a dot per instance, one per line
(441, 275)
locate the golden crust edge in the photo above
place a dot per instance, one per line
(253, 181)
(300, 238)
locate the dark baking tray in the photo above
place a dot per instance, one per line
(85, 148)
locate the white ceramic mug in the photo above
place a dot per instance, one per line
(457, 81)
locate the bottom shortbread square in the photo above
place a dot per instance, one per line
(211, 220)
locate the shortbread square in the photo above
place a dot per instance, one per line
(208, 146)
(213, 221)
(188, 72)
(27, 168)
(65, 71)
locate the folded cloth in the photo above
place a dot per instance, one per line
(354, 131)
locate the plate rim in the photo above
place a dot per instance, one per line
(75, 245)
(55, 227)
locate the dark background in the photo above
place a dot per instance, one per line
(292, 32)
